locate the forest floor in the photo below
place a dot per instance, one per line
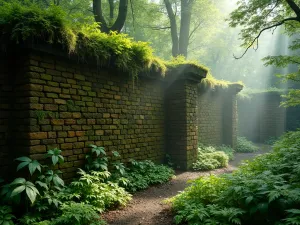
(147, 207)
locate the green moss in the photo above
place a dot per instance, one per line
(211, 82)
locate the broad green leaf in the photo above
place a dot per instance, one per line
(21, 165)
(24, 159)
(54, 160)
(57, 180)
(18, 181)
(42, 184)
(18, 190)
(31, 194)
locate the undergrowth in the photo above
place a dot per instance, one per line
(210, 157)
(42, 198)
(264, 191)
(244, 145)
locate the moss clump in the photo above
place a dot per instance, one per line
(30, 24)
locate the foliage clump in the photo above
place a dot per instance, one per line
(46, 199)
(210, 157)
(244, 145)
(264, 191)
(140, 175)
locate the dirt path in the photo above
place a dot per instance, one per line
(147, 207)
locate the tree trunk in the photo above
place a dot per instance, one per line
(186, 11)
(173, 25)
(118, 24)
(111, 11)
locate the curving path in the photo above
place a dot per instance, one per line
(147, 207)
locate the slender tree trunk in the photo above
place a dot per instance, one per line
(111, 11)
(173, 25)
(118, 24)
(186, 11)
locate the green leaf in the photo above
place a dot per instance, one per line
(42, 184)
(18, 190)
(31, 194)
(248, 200)
(21, 165)
(54, 160)
(23, 159)
(18, 181)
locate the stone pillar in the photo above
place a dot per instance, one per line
(181, 117)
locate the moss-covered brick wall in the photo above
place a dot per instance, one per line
(70, 106)
(261, 117)
(48, 100)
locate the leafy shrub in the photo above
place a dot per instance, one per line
(271, 140)
(6, 216)
(227, 150)
(264, 191)
(244, 145)
(78, 214)
(289, 139)
(209, 158)
(94, 189)
(141, 174)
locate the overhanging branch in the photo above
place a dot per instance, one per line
(264, 29)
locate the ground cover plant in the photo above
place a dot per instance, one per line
(210, 157)
(47, 200)
(244, 145)
(264, 191)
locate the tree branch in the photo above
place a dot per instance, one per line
(294, 7)
(264, 29)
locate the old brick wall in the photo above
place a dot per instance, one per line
(217, 116)
(70, 106)
(181, 120)
(210, 123)
(57, 102)
(261, 117)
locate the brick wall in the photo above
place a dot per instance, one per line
(261, 117)
(210, 120)
(49, 101)
(217, 116)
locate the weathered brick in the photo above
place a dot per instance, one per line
(38, 135)
(60, 101)
(46, 77)
(66, 146)
(80, 133)
(73, 139)
(52, 89)
(37, 149)
(57, 122)
(51, 107)
(78, 145)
